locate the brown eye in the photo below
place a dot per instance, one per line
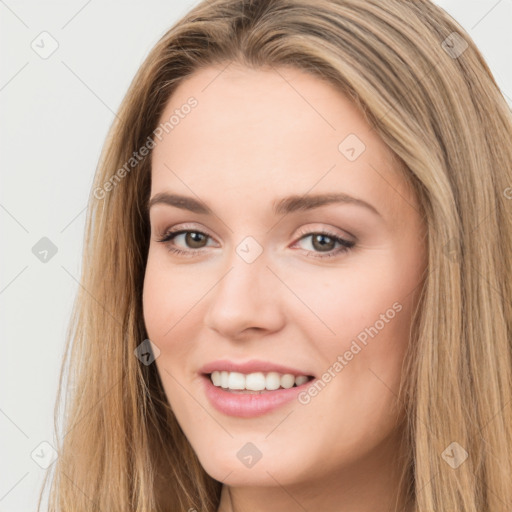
(195, 239)
(325, 245)
(192, 241)
(323, 242)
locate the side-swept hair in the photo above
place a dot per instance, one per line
(422, 84)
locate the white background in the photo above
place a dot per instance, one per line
(55, 114)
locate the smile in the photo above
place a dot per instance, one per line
(257, 382)
(247, 403)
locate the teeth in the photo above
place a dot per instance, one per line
(216, 378)
(273, 381)
(257, 381)
(236, 380)
(301, 380)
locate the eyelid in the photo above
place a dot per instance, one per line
(319, 227)
(183, 227)
(304, 230)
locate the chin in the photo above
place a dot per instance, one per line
(265, 472)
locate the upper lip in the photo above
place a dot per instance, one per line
(251, 366)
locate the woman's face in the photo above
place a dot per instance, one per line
(263, 276)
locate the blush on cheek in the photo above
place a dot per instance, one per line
(159, 295)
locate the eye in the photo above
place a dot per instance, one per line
(193, 238)
(324, 243)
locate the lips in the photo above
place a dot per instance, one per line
(243, 405)
(248, 404)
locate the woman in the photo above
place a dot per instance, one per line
(297, 282)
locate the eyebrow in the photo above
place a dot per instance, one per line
(280, 207)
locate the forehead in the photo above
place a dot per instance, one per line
(262, 131)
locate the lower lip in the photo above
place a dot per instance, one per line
(249, 405)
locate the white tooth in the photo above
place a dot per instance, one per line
(236, 380)
(301, 379)
(287, 381)
(255, 381)
(272, 381)
(216, 378)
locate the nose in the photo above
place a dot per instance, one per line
(247, 298)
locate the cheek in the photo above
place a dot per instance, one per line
(155, 302)
(162, 309)
(362, 323)
(344, 302)
(173, 313)
(169, 295)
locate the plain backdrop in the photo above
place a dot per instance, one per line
(55, 113)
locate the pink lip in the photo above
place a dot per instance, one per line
(250, 367)
(249, 405)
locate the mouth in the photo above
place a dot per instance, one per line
(227, 391)
(255, 383)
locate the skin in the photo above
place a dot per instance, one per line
(256, 136)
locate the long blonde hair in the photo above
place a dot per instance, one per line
(425, 88)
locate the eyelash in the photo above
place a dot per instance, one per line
(346, 245)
